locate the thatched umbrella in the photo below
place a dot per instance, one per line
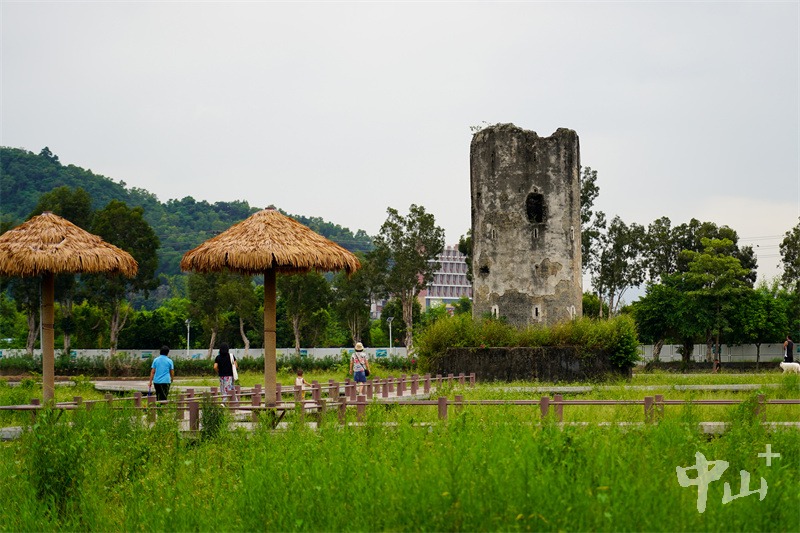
(269, 242)
(47, 245)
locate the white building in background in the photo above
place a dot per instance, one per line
(450, 282)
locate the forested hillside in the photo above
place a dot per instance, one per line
(180, 224)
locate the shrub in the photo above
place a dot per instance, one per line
(616, 336)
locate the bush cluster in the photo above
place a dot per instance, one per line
(616, 336)
(126, 365)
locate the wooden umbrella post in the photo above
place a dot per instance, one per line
(48, 340)
(270, 336)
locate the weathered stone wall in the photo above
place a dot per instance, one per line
(526, 226)
(541, 363)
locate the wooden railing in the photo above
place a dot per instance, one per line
(400, 391)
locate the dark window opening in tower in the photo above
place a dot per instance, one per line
(534, 206)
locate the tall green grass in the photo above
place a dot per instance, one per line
(472, 473)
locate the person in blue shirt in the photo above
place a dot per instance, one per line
(162, 372)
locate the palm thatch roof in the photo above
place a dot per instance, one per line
(269, 240)
(48, 243)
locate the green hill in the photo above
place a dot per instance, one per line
(180, 224)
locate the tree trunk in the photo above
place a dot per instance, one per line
(118, 320)
(33, 332)
(354, 325)
(244, 337)
(408, 317)
(66, 311)
(211, 343)
(296, 330)
(686, 355)
(657, 350)
(709, 346)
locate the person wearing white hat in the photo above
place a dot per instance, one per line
(359, 367)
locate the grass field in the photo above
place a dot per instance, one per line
(488, 468)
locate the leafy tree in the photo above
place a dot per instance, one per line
(127, 229)
(394, 308)
(237, 291)
(153, 329)
(352, 297)
(74, 205)
(666, 313)
(207, 307)
(406, 247)
(465, 247)
(592, 306)
(620, 262)
(26, 292)
(592, 223)
(716, 280)
(304, 295)
(462, 306)
(790, 258)
(760, 315)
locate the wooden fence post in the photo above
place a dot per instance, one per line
(427, 384)
(369, 389)
(78, 400)
(361, 408)
(316, 391)
(194, 415)
(343, 411)
(443, 408)
(137, 399)
(648, 409)
(459, 403)
(544, 406)
(179, 406)
(414, 384)
(461, 378)
(151, 404)
(559, 408)
(472, 379)
(109, 399)
(659, 406)
(450, 379)
(385, 391)
(761, 408)
(255, 401)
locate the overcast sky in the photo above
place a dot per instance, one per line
(340, 110)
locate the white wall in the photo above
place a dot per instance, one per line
(730, 354)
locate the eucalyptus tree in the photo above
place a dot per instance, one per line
(406, 249)
(127, 229)
(304, 295)
(353, 295)
(207, 304)
(237, 294)
(620, 263)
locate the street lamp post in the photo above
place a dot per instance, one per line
(188, 331)
(389, 321)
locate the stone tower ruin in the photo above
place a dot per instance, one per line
(526, 225)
